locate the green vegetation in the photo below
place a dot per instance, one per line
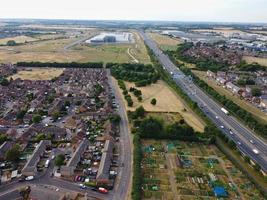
(36, 118)
(127, 97)
(253, 67)
(11, 43)
(59, 160)
(4, 81)
(153, 101)
(3, 138)
(140, 74)
(13, 154)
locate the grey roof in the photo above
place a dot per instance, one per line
(77, 154)
(34, 159)
(103, 171)
(5, 147)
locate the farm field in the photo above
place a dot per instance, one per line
(245, 105)
(38, 73)
(185, 171)
(165, 42)
(55, 50)
(167, 102)
(261, 61)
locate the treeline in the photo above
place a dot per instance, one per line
(235, 109)
(127, 97)
(243, 66)
(140, 74)
(61, 65)
(203, 64)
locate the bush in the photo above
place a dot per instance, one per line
(153, 102)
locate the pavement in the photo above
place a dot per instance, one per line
(229, 125)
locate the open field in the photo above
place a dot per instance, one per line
(165, 42)
(224, 32)
(167, 101)
(54, 50)
(38, 73)
(183, 170)
(261, 61)
(19, 39)
(245, 105)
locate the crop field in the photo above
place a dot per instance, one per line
(165, 42)
(185, 171)
(261, 116)
(38, 73)
(167, 102)
(261, 61)
(53, 48)
(18, 39)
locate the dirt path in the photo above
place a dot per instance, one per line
(131, 55)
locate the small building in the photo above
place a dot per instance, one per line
(211, 74)
(220, 80)
(30, 167)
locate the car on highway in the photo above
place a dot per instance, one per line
(29, 178)
(239, 143)
(222, 127)
(251, 141)
(216, 117)
(82, 186)
(256, 151)
(231, 132)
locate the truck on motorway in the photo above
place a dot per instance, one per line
(47, 163)
(225, 111)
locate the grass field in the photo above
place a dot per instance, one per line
(55, 51)
(261, 61)
(38, 73)
(165, 42)
(167, 101)
(245, 105)
(18, 39)
(167, 177)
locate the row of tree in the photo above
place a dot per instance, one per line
(127, 97)
(61, 65)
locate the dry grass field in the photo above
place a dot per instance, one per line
(245, 105)
(165, 42)
(38, 73)
(167, 101)
(55, 51)
(18, 39)
(261, 61)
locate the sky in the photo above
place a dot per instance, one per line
(166, 10)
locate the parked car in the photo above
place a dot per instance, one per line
(29, 178)
(102, 190)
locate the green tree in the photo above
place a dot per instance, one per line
(13, 154)
(3, 138)
(11, 43)
(256, 92)
(153, 101)
(140, 112)
(59, 160)
(36, 118)
(151, 127)
(4, 82)
(115, 119)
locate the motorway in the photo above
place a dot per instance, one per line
(122, 184)
(244, 138)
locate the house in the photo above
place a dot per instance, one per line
(220, 80)
(211, 74)
(103, 171)
(263, 102)
(68, 170)
(4, 148)
(30, 167)
(235, 89)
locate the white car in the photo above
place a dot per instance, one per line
(256, 151)
(222, 127)
(29, 178)
(231, 132)
(239, 143)
(216, 117)
(251, 141)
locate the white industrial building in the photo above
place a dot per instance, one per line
(111, 37)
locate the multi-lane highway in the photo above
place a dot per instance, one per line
(246, 141)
